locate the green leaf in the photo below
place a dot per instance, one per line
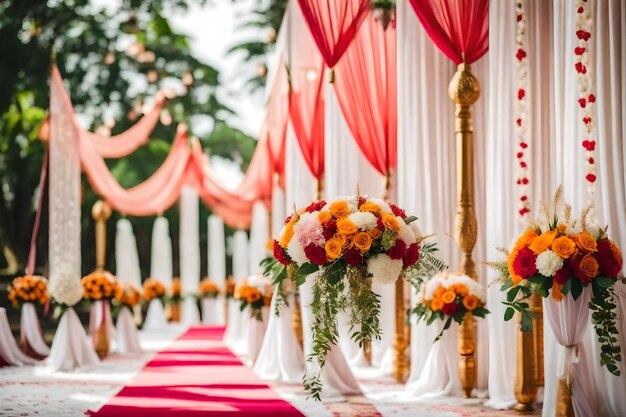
(508, 314)
(410, 219)
(603, 282)
(577, 288)
(336, 271)
(512, 293)
(304, 271)
(567, 286)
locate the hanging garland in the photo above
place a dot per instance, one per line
(521, 122)
(586, 97)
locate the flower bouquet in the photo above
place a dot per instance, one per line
(256, 292)
(208, 289)
(573, 265)
(174, 299)
(24, 292)
(99, 288)
(127, 338)
(153, 289)
(128, 296)
(230, 287)
(358, 238)
(448, 297)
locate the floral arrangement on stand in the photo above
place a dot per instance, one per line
(28, 289)
(129, 296)
(348, 242)
(208, 289)
(174, 299)
(449, 296)
(153, 289)
(563, 257)
(100, 285)
(230, 287)
(254, 292)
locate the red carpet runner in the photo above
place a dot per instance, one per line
(197, 375)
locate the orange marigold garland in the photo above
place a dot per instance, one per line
(560, 257)
(521, 122)
(28, 289)
(100, 286)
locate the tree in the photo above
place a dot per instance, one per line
(111, 59)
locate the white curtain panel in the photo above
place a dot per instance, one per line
(99, 314)
(9, 350)
(259, 236)
(189, 254)
(427, 164)
(126, 257)
(155, 316)
(217, 261)
(256, 334)
(161, 253)
(70, 348)
(278, 210)
(127, 337)
(238, 321)
(211, 311)
(30, 327)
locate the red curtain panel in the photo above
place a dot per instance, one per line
(365, 83)
(333, 24)
(460, 28)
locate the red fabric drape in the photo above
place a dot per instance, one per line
(460, 28)
(333, 24)
(306, 109)
(277, 118)
(366, 89)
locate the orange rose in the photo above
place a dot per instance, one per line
(287, 236)
(346, 227)
(543, 242)
(370, 207)
(589, 266)
(324, 216)
(515, 277)
(253, 296)
(436, 304)
(564, 247)
(556, 291)
(461, 289)
(342, 238)
(470, 302)
(390, 222)
(561, 228)
(448, 297)
(439, 292)
(363, 241)
(340, 209)
(334, 248)
(586, 242)
(526, 239)
(375, 233)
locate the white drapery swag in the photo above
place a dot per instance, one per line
(217, 262)
(259, 236)
(256, 334)
(211, 313)
(9, 351)
(238, 322)
(99, 314)
(127, 337)
(160, 269)
(126, 257)
(189, 254)
(31, 329)
(427, 169)
(70, 348)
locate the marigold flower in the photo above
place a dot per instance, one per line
(339, 209)
(390, 222)
(333, 248)
(543, 242)
(363, 241)
(564, 247)
(448, 297)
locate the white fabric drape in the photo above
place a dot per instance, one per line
(70, 348)
(256, 334)
(238, 322)
(161, 254)
(126, 257)
(155, 316)
(217, 261)
(211, 312)
(259, 236)
(189, 254)
(30, 327)
(9, 351)
(127, 338)
(427, 162)
(99, 314)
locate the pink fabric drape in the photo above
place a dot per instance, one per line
(277, 118)
(334, 24)
(460, 28)
(128, 141)
(365, 84)
(306, 110)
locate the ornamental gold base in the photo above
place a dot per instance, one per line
(296, 321)
(525, 381)
(175, 312)
(564, 407)
(401, 342)
(467, 363)
(101, 342)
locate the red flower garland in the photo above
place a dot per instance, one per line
(521, 122)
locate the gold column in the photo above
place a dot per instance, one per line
(296, 318)
(101, 212)
(536, 305)
(564, 407)
(464, 90)
(529, 372)
(401, 341)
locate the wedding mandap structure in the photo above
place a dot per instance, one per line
(430, 225)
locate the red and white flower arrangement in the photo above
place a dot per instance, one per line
(521, 112)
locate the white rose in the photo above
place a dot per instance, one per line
(548, 263)
(405, 233)
(296, 252)
(363, 220)
(383, 269)
(416, 230)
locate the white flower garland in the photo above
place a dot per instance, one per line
(586, 97)
(521, 122)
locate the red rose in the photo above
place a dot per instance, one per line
(315, 206)
(450, 309)
(561, 276)
(361, 201)
(288, 219)
(524, 263)
(412, 255)
(280, 255)
(316, 254)
(398, 250)
(329, 229)
(610, 264)
(353, 257)
(397, 211)
(380, 225)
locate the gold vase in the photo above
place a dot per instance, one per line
(564, 407)
(525, 381)
(101, 342)
(175, 312)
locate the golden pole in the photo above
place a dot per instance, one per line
(101, 212)
(529, 372)
(464, 90)
(536, 306)
(401, 341)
